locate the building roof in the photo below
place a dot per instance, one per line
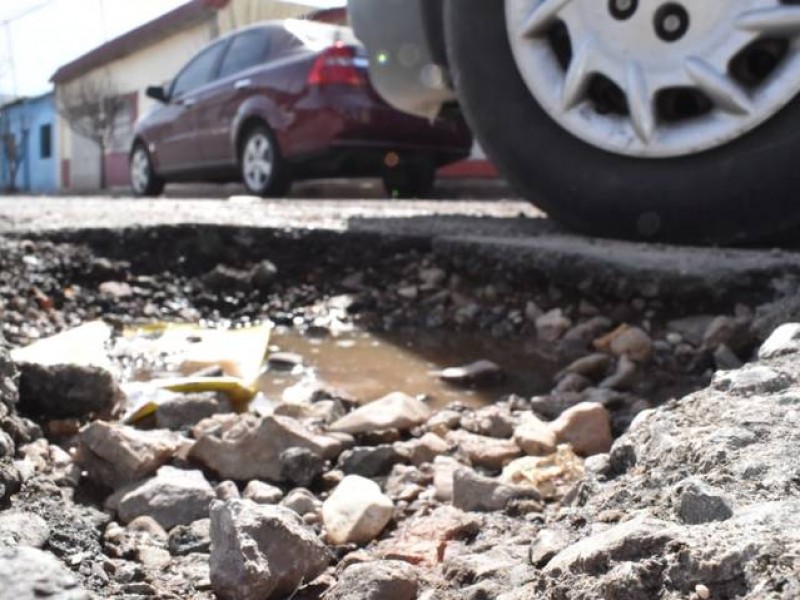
(183, 17)
(8, 102)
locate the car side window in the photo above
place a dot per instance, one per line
(199, 71)
(247, 49)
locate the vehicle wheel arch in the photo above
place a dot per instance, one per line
(245, 127)
(254, 113)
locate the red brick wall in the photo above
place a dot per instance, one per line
(117, 173)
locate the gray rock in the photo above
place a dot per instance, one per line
(10, 479)
(19, 528)
(547, 544)
(232, 453)
(492, 421)
(572, 382)
(501, 566)
(552, 405)
(395, 411)
(67, 391)
(379, 580)
(9, 378)
(784, 340)
(226, 490)
(142, 538)
(535, 437)
(752, 379)
(7, 447)
(226, 279)
(700, 503)
(634, 540)
(285, 361)
(263, 275)
(369, 461)
(191, 538)
(186, 411)
(173, 497)
(444, 468)
(593, 367)
(634, 343)
(475, 493)
(586, 426)
(406, 482)
(30, 574)
(482, 372)
(623, 378)
(262, 493)
(114, 455)
(300, 466)
(552, 326)
(725, 359)
(734, 333)
(419, 451)
(484, 451)
(693, 328)
(577, 339)
(302, 502)
(261, 552)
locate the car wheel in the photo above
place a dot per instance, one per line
(264, 171)
(144, 181)
(674, 120)
(410, 178)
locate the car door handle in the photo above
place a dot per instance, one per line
(187, 102)
(243, 84)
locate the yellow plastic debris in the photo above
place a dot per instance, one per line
(146, 397)
(238, 352)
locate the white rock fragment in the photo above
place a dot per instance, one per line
(356, 512)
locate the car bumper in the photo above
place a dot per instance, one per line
(365, 122)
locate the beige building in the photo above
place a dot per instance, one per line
(120, 71)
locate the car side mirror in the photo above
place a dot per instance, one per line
(156, 92)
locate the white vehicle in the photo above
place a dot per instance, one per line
(669, 120)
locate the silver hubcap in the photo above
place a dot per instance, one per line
(658, 78)
(140, 171)
(257, 162)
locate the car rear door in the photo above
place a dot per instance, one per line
(219, 104)
(178, 148)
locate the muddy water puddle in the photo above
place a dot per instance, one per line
(364, 366)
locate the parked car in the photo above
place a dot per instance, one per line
(672, 120)
(282, 101)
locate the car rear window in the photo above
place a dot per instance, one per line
(317, 36)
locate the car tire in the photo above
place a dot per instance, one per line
(742, 190)
(410, 178)
(144, 181)
(264, 170)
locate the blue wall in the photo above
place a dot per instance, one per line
(28, 120)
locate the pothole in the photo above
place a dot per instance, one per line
(549, 375)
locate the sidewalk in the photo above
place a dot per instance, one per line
(448, 187)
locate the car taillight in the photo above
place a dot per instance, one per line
(336, 64)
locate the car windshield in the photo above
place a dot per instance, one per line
(320, 35)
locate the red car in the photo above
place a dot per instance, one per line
(281, 101)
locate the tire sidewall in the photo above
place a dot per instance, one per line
(277, 183)
(154, 185)
(731, 193)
